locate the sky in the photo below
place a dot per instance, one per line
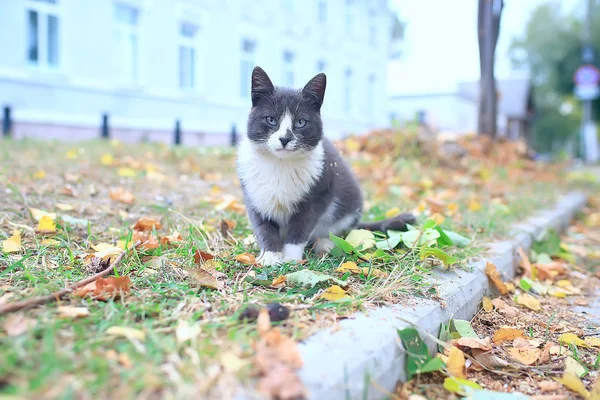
(441, 48)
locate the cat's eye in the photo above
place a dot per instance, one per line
(271, 121)
(299, 123)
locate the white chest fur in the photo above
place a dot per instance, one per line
(275, 186)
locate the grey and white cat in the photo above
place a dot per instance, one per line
(296, 186)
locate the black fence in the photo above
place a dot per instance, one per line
(7, 127)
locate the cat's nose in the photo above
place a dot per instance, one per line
(284, 141)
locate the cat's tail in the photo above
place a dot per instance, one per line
(397, 223)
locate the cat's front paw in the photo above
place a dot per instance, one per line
(269, 258)
(293, 252)
(323, 246)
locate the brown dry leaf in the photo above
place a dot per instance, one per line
(487, 304)
(545, 356)
(507, 334)
(488, 359)
(525, 263)
(201, 256)
(456, 363)
(522, 342)
(146, 239)
(105, 288)
(572, 382)
(528, 301)
(17, 324)
(492, 272)
(173, 238)
(548, 386)
(72, 312)
(525, 355)
(246, 258)
(263, 321)
(13, 243)
(122, 196)
(226, 226)
(279, 282)
(204, 278)
(147, 224)
(473, 343)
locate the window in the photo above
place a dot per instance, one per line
(348, 90)
(43, 33)
(349, 17)
(127, 43)
(288, 68)
(187, 56)
(372, 28)
(371, 94)
(247, 64)
(321, 66)
(322, 11)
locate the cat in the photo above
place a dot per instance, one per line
(296, 186)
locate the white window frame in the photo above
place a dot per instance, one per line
(125, 31)
(288, 68)
(44, 10)
(247, 61)
(189, 43)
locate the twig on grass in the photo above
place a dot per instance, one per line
(25, 304)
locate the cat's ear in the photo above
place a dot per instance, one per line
(315, 89)
(261, 85)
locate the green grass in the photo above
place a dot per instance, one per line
(186, 187)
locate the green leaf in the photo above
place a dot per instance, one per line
(460, 386)
(444, 336)
(457, 240)
(444, 257)
(435, 364)
(443, 240)
(361, 239)
(425, 238)
(341, 243)
(525, 284)
(417, 353)
(390, 243)
(550, 244)
(429, 224)
(460, 328)
(543, 258)
(306, 277)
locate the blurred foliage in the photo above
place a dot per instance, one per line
(551, 50)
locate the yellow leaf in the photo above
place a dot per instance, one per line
(563, 283)
(525, 355)
(573, 383)
(64, 207)
(571, 338)
(105, 251)
(126, 332)
(595, 395)
(352, 145)
(37, 214)
(392, 212)
(246, 258)
(456, 363)
(557, 293)
(333, 293)
(72, 312)
(376, 272)
(529, 301)
(510, 287)
(426, 183)
(474, 205)
(72, 154)
(50, 242)
(41, 174)
(487, 304)
(492, 273)
(279, 281)
(46, 225)
(573, 367)
(452, 208)
(507, 334)
(438, 218)
(13, 243)
(361, 237)
(126, 172)
(593, 341)
(107, 159)
(349, 266)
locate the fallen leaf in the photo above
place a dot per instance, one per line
(574, 367)
(173, 238)
(106, 252)
(333, 293)
(456, 363)
(64, 207)
(525, 355)
(201, 256)
(474, 206)
(460, 328)
(528, 301)
(263, 322)
(488, 359)
(246, 258)
(147, 224)
(548, 386)
(487, 304)
(17, 324)
(204, 278)
(525, 263)
(522, 342)
(361, 238)
(81, 222)
(418, 359)
(306, 277)
(349, 266)
(72, 312)
(184, 331)
(571, 338)
(460, 386)
(126, 332)
(105, 288)
(572, 382)
(507, 334)
(226, 226)
(147, 240)
(38, 214)
(46, 225)
(13, 243)
(231, 363)
(126, 172)
(592, 341)
(279, 282)
(121, 195)
(40, 174)
(50, 242)
(106, 159)
(492, 272)
(473, 343)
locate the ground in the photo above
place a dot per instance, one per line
(171, 319)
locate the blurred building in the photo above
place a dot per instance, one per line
(147, 63)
